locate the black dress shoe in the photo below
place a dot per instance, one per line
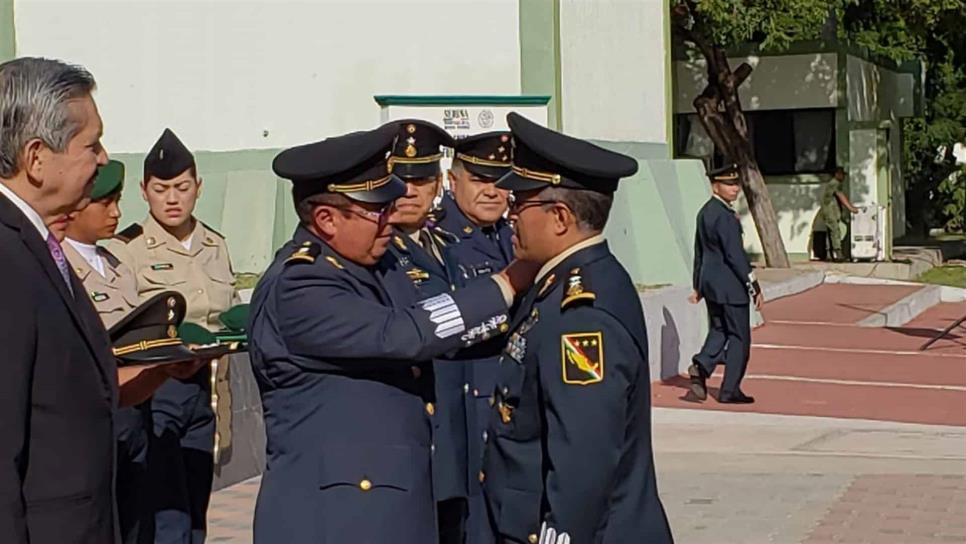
(698, 378)
(735, 398)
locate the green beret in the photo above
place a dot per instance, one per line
(235, 318)
(110, 179)
(192, 333)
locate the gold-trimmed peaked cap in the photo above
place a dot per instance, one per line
(485, 155)
(546, 158)
(355, 164)
(418, 148)
(727, 174)
(149, 334)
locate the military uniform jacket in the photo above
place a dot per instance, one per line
(202, 273)
(115, 293)
(347, 400)
(569, 449)
(420, 275)
(722, 272)
(479, 253)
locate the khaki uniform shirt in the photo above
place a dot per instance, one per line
(114, 294)
(202, 273)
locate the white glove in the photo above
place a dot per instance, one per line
(548, 535)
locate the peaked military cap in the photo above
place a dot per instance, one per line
(355, 165)
(545, 158)
(168, 158)
(727, 174)
(109, 180)
(486, 155)
(149, 334)
(416, 153)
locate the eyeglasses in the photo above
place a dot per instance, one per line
(518, 206)
(376, 216)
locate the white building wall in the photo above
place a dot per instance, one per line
(876, 93)
(613, 69)
(229, 75)
(776, 83)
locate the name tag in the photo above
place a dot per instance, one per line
(162, 266)
(99, 297)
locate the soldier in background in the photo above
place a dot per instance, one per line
(422, 250)
(171, 250)
(833, 200)
(473, 210)
(724, 279)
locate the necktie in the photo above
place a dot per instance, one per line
(58, 254)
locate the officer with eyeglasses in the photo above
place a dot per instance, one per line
(341, 347)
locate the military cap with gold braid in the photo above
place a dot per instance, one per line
(727, 174)
(355, 165)
(485, 155)
(417, 151)
(149, 334)
(545, 158)
(109, 180)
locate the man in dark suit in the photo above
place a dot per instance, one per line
(59, 384)
(723, 277)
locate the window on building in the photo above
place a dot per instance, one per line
(785, 141)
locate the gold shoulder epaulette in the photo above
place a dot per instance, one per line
(577, 290)
(306, 253)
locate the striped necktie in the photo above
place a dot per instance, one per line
(58, 254)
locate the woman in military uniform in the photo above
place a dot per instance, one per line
(172, 250)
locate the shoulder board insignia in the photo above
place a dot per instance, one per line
(305, 253)
(130, 233)
(213, 231)
(334, 262)
(576, 290)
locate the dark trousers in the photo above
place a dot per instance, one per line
(728, 340)
(181, 460)
(450, 515)
(135, 517)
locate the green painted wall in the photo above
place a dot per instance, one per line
(651, 227)
(8, 35)
(241, 198)
(540, 53)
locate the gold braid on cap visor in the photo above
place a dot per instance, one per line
(481, 162)
(145, 345)
(546, 177)
(416, 160)
(354, 187)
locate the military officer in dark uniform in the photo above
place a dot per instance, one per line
(473, 209)
(348, 402)
(569, 456)
(723, 277)
(421, 249)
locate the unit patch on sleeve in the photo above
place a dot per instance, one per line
(582, 358)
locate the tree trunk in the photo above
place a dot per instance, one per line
(719, 110)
